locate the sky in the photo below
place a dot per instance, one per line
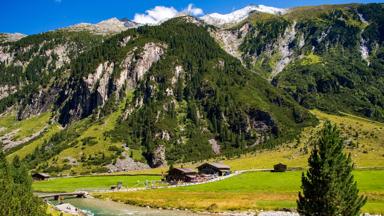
(35, 16)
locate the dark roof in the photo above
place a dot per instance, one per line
(186, 170)
(42, 174)
(217, 165)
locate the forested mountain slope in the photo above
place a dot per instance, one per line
(328, 57)
(191, 100)
(185, 90)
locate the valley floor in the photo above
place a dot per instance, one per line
(251, 190)
(248, 191)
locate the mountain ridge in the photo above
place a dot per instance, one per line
(185, 90)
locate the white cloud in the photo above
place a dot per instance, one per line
(156, 15)
(162, 13)
(194, 11)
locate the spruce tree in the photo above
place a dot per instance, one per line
(16, 196)
(6, 185)
(329, 188)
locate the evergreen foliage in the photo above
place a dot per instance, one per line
(329, 188)
(215, 98)
(16, 197)
(339, 79)
(38, 66)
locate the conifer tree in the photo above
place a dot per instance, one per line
(329, 188)
(16, 197)
(6, 186)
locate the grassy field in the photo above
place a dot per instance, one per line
(366, 136)
(90, 183)
(25, 128)
(254, 190)
(28, 149)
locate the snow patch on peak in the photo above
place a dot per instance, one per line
(218, 19)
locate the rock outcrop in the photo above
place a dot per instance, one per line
(94, 90)
(231, 39)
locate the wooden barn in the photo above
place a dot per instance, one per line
(214, 169)
(40, 176)
(181, 174)
(279, 167)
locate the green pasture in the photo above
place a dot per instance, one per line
(91, 183)
(253, 190)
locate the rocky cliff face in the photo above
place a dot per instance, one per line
(231, 39)
(7, 90)
(82, 97)
(35, 67)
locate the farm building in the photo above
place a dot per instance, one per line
(279, 167)
(214, 169)
(40, 176)
(181, 174)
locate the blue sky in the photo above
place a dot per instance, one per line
(34, 16)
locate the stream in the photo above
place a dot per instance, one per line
(97, 207)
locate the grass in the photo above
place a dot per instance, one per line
(53, 212)
(311, 59)
(90, 183)
(367, 136)
(25, 128)
(253, 190)
(369, 153)
(95, 131)
(257, 190)
(100, 143)
(308, 12)
(28, 149)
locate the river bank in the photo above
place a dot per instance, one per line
(98, 207)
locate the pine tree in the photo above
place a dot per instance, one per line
(16, 197)
(329, 188)
(6, 186)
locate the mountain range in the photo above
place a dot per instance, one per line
(121, 95)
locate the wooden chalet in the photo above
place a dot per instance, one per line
(214, 169)
(40, 176)
(279, 167)
(181, 174)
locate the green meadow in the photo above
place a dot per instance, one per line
(71, 184)
(253, 190)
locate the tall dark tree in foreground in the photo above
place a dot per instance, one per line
(329, 188)
(16, 197)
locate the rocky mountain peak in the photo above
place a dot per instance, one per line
(109, 26)
(11, 37)
(237, 16)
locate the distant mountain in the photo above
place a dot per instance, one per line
(6, 37)
(237, 16)
(109, 26)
